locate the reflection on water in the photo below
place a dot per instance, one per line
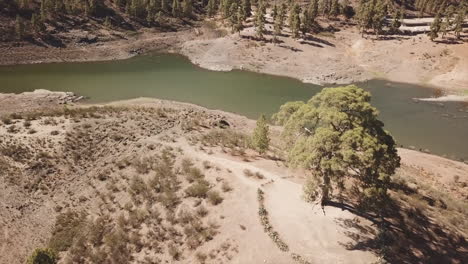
(441, 128)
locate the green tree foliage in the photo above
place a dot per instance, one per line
(446, 22)
(278, 21)
(313, 10)
(211, 8)
(348, 10)
(188, 8)
(226, 8)
(295, 20)
(395, 25)
(34, 23)
(338, 136)
(175, 8)
(435, 28)
(260, 19)
(371, 14)
(43, 256)
(458, 23)
(325, 7)
(261, 137)
(19, 27)
(247, 6)
(335, 8)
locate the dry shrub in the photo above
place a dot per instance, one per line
(214, 197)
(198, 189)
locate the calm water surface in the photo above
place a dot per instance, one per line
(441, 129)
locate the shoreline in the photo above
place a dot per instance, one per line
(232, 52)
(44, 99)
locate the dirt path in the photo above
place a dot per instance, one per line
(308, 232)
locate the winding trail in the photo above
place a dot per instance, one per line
(317, 237)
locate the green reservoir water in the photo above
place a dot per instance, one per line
(441, 129)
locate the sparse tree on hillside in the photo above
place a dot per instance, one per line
(260, 19)
(371, 14)
(395, 25)
(43, 11)
(313, 10)
(233, 19)
(261, 137)
(247, 6)
(338, 136)
(34, 23)
(447, 23)
(306, 22)
(43, 256)
(458, 23)
(295, 20)
(175, 8)
(435, 28)
(211, 8)
(187, 8)
(335, 8)
(19, 27)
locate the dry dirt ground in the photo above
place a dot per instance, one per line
(141, 180)
(339, 58)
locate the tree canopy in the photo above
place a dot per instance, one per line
(338, 136)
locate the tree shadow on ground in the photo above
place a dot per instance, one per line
(405, 235)
(319, 40)
(449, 41)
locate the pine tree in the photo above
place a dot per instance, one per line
(164, 6)
(211, 8)
(187, 8)
(435, 28)
(395, 25)
(175, 8)
(274, 12)
(240, 19)
(19, 27)
(332, 151)
(295, 20)
(378, 19)
(247, 6)
(334, 9)
(34, 23)
(233, 18)
(260, 20)
(43, 11)
(313, 10)
(306, 22)
(107, 22)
(458, 23)
(446, 24)
(261, 137)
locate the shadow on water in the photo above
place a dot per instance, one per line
(439, 128)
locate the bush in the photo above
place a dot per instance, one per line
(173, 251)
(43, 256)
(198, 189)
(201, 211)
(67, 227)
(6, 120)
(194, 174)
(214, 197)
(226, 187)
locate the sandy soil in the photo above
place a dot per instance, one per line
(342, 58)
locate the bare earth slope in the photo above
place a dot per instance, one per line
(132, 167)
